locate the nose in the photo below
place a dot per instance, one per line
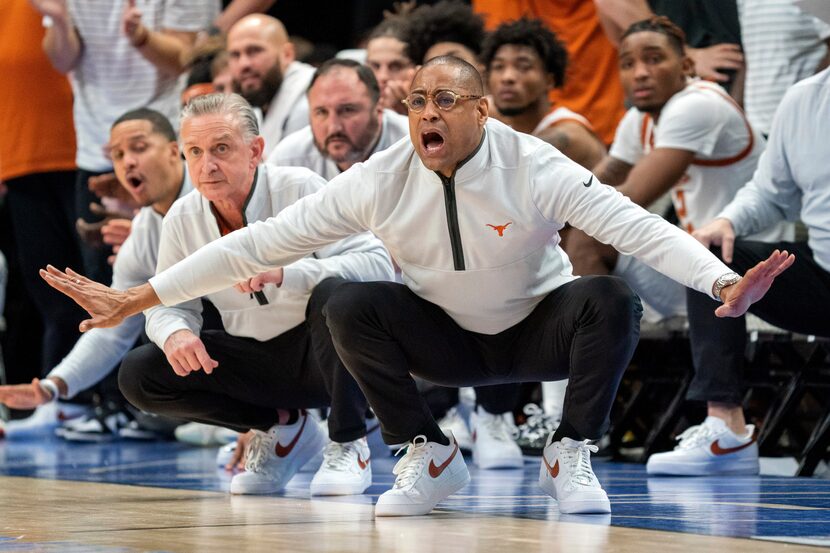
(641, 70)
(430, 112)
(130, 161)
(208, 165)
(382, 75)
(507, 75)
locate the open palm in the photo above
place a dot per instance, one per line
(754, 285)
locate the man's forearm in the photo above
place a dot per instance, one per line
(62, 44)
(164, 50)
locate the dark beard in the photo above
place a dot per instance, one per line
(262, 96)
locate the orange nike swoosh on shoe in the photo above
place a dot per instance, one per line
(718, 450)
(361, 463)
(434, 471)
(553, 470)
(283, 450)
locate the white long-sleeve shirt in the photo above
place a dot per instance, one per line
(288, 110)
(793, 176)
(98, 351)
(190, 225)
(298, 148)
(484, 246)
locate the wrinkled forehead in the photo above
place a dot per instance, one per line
(438, 77)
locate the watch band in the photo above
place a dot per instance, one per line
(50, 388)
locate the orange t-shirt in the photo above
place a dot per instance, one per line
(592, 83)
(37, 134)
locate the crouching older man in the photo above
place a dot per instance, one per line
(275, 357)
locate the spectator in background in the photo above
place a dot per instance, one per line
(592, 85)
(37, 166)
(119, 56)
(388, 56)
(265, 72)
(447, 28)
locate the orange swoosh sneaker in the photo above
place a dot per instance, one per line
(427, 474)
(567, 476)
(275, 456)
(346, 469)
(709, 449)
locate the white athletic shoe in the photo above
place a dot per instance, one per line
(493, 444)
(427, 474)
(345, 469)
(566, 475)
(45, 419)
(198, 434)
(454, 422)
(709, 449)
(274, 457)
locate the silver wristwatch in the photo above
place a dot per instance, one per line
(723, 281)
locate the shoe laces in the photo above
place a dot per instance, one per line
(257, 452)
(496, 427)
(339, 456)
(410, 467)
(578, 457)
(695, 436)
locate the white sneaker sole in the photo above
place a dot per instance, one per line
(594, 502)
(743, 467)
(342, 488)
(511, 462)
(457, 482)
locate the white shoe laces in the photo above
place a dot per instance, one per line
(339, 456)
(496, 427)
(411, 465)
(695, 436)
(578, 458)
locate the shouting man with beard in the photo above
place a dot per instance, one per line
(347, 122)
(264, 71)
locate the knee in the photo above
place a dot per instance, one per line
(616, 298)
(320, 296)
(134, 371)
(349, 303)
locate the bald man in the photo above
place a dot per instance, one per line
(471, 209)
(265, 72)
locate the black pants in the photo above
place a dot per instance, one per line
(42, 211)
(799, 300)
(297, 369)
(94, 258)
(585, 330)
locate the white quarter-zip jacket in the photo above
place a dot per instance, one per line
(100, 350)
(190, 225)
(483, 245)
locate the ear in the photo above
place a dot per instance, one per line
(688, 66)
(257, 150)
(482, 110)
(174, 150)
(550, 81)
(287, 55)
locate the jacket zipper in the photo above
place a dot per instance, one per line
(452, 222)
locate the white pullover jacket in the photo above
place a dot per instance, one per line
(483, 245)
(190, 225)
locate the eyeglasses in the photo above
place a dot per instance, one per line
(444, 99)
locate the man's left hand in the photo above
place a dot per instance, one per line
(257, 283)
(754, 285)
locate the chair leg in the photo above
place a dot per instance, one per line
(667, 421)
(816, 448)
(775, 422)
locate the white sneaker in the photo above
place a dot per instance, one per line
(493, 444)
(45, 419)
(274, 457)
(345, 469)
(566, 475)
(198, 434)
(709, 449)
(427, 474)
(454, 422)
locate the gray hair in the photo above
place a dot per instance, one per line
(233, 105)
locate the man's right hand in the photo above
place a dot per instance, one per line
(24, 396)
(718, 233)
(186, 353)
(56, 9)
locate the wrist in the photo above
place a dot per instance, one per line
(723, 284)
(141, 37)
(50, 388)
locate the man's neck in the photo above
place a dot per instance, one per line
(527, 120)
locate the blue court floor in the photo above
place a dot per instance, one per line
(794, 510)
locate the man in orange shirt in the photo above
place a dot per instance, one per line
(37, 166)
(592, 86)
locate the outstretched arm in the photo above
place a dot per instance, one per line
(754, 285)
(106, 306)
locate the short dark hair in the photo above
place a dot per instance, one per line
(364, 73)
(445, 21)
(659, 24)
(395, 23)
(158, 122)
(469, 74)
(535, 34)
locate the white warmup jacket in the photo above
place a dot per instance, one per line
(190, 225)
(100, 350)
(484, 245)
